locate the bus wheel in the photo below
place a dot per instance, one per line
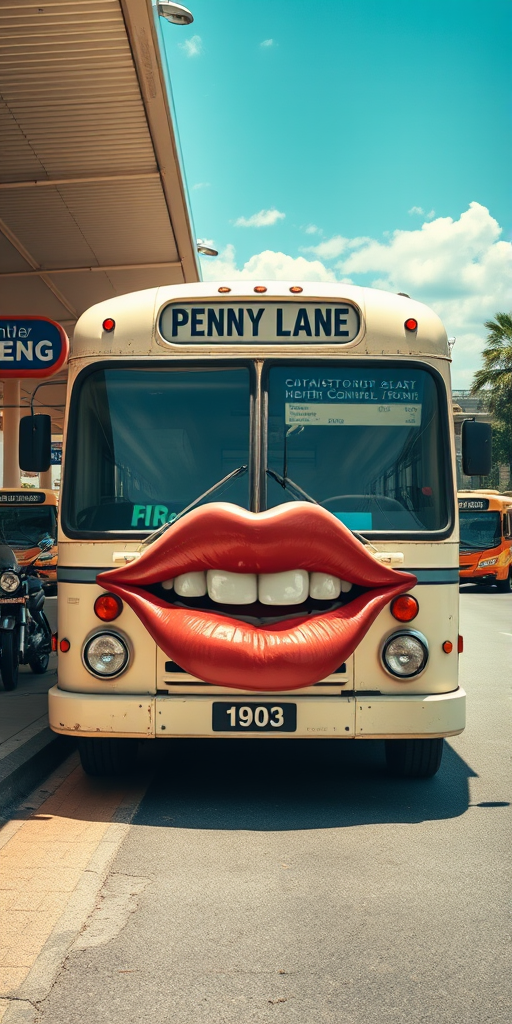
(107, 756)
(414, 759)
(505, 586)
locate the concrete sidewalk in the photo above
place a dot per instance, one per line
(28, 749)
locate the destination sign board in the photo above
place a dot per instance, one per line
(24, 497)
(31, 346)
(265, 323)
(473, 504)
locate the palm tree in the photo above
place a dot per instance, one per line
(495, 376)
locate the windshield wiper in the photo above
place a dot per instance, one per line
(290, 485)
(231, 476)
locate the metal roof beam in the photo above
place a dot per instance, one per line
(40, 271)
(91, 180)
(11, 237)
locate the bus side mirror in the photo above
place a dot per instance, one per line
(476, 448)
(35, 443)
(507, 525)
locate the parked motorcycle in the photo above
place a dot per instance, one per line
(25, 633)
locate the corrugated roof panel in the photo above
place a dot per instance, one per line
(73, 107)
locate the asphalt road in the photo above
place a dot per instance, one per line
(296, 882)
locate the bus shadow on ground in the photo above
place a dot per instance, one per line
(268, 786)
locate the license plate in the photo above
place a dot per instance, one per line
(246, 717)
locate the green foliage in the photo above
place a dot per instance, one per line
(494, 380)
(495, 376)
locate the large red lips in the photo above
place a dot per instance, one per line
(227, 652)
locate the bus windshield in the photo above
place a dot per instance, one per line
(22, 528)
(479, 530)
(366, 442)
(150, 441)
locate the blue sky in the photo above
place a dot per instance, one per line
(354, 140)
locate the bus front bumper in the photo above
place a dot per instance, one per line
(179, 715)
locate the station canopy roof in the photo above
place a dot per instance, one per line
(92, 197)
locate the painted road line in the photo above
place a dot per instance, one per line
(52, 865)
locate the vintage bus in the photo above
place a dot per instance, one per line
(258, 524)
(26, 516)
(486, 538)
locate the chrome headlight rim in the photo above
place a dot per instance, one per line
(395, 635)
(14, 577)
(116, 635)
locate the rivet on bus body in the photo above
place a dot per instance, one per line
(108, 325)
(296, 289)
(64, 646)
(411, 324)
(224, 289)
(260, 288)
(447, 647)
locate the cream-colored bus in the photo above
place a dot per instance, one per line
(258, 527)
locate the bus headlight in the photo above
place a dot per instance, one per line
(106, 655)
(405, 654)
(9, 582)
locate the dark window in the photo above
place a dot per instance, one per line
(147, 442)
(24, 527)
(365, 441)
(479, 530)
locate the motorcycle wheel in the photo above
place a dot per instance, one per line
(40, 664)
(9, 656)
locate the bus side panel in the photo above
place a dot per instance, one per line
(438, 620)
(77, 622)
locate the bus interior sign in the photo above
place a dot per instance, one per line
(473, 504)
(271, 322)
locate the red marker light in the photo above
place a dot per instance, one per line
(108, 324)
(54, 642)
(107, 607)
(460, 644)
(411, 324)
(260, 288)
(447, 647)
(224, 290)
(405, 608)
(296, 289)
(64, 646)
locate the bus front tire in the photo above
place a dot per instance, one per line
(505, 586)
(105, 756)
(414, 759)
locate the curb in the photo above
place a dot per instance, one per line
(24, 768)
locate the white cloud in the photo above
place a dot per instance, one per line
(267, 265)
(200, 184)
(418, 210)
(459, 267)
(330, 249)
(267, 43)
(313, 230)
(192, 47)
(263, 219)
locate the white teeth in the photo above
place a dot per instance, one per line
(324, 587)
(276, 588)
(232, 587)
(191, 584)
(290, 587)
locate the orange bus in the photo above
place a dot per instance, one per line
(486, 538)
(27, 515)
